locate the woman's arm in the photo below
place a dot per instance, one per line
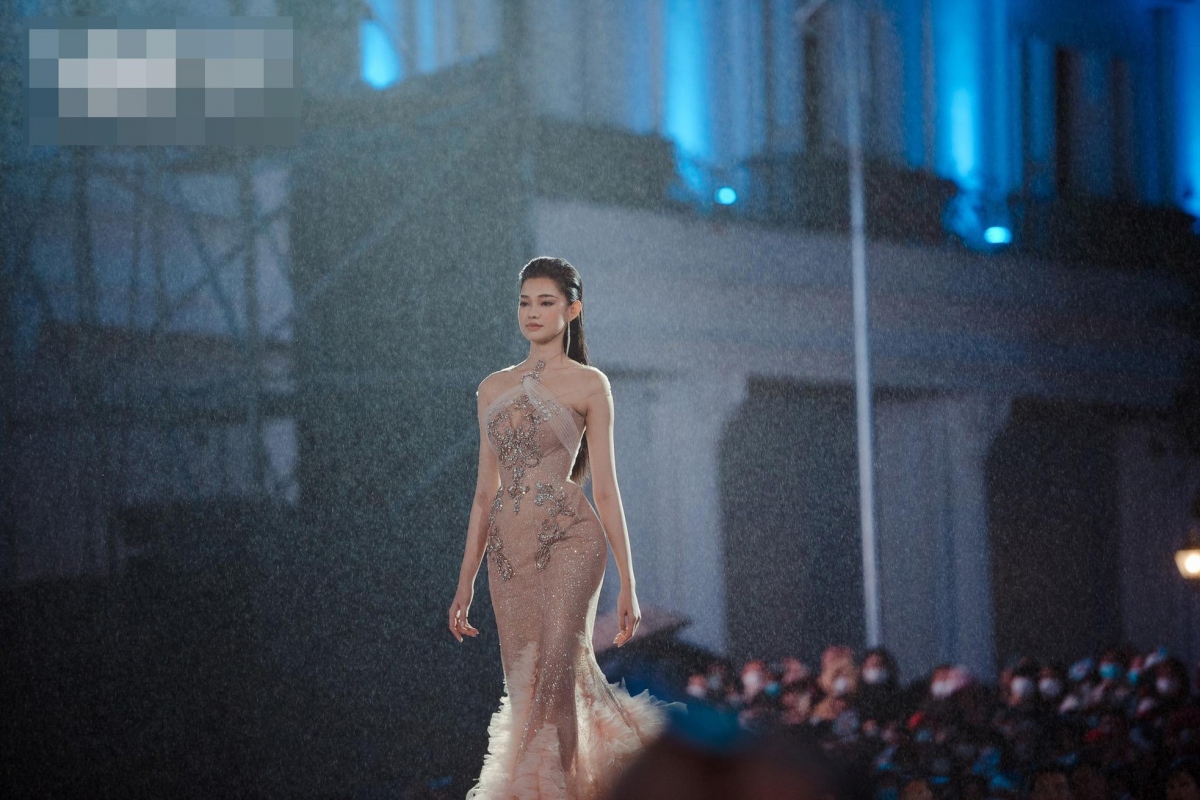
(605, 491)
(599, 429)
(486, 484)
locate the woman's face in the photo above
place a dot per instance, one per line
(542, 310)
(1180, 786)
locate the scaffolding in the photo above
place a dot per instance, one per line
(150, 308)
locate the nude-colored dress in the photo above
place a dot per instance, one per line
(562, 730)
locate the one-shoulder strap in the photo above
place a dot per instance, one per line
(553, 412)
(500, 401)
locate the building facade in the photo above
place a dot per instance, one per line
(689, 157)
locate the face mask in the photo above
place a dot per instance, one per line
(1022, 687)
(772, 689)
(714, 682)
(841, 685)
(1110, 671)
(1166, 686)
(1050, 687)
(696, 690)
(875, 675)
(1146, 705)
(939, 689)
(1133, 675)
(752, 681)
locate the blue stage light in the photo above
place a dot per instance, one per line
(380, 66)
(686, 113)
(726, 196)
(997, 234)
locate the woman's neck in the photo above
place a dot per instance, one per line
(554, 360)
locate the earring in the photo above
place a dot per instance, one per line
(567, 346)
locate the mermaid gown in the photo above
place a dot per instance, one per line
(562, 730)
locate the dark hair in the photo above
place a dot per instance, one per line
(682, 763)
(569, 282)
(1188, 764)
(1040, 770)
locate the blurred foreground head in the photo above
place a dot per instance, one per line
(767, 768)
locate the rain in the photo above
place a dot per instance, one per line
(899, 301)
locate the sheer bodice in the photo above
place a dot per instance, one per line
(536, 439)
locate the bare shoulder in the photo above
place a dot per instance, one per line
(493, 384)
(592, 381)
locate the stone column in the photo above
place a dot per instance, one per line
(1157, 481)
(669, 485)
(935, 568)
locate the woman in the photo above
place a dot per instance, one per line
(562, 731)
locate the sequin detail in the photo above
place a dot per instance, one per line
(551, 533)
(517, 447)
(518, 450)
(494, 543)
(536, 372)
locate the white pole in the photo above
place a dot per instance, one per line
(862, 351)
(851, 43)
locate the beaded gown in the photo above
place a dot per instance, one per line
(562, 730)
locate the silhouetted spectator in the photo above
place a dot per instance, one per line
(879, 700)
(1183, 780)
(1049, 783)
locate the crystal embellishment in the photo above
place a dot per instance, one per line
(517, 446)
(494, 544)
(518, 450)
(551, 533)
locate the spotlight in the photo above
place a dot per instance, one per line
(980, 219)
(1188, 562)
(998, 234)
(1187, 558)
(726, 196)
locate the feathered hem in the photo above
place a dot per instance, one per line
(613, 726)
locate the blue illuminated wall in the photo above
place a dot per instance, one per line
(959, 81)
(426, 35)
(686, 100)
(1187, 118)
(434, 33)
(989, 128)
(969, 91)
(639, 69)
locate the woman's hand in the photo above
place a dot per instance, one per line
(629, 614)
(458, 613)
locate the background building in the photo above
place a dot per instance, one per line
(260, 365)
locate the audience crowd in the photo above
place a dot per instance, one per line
(1124, 725)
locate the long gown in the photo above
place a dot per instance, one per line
(562, 730)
